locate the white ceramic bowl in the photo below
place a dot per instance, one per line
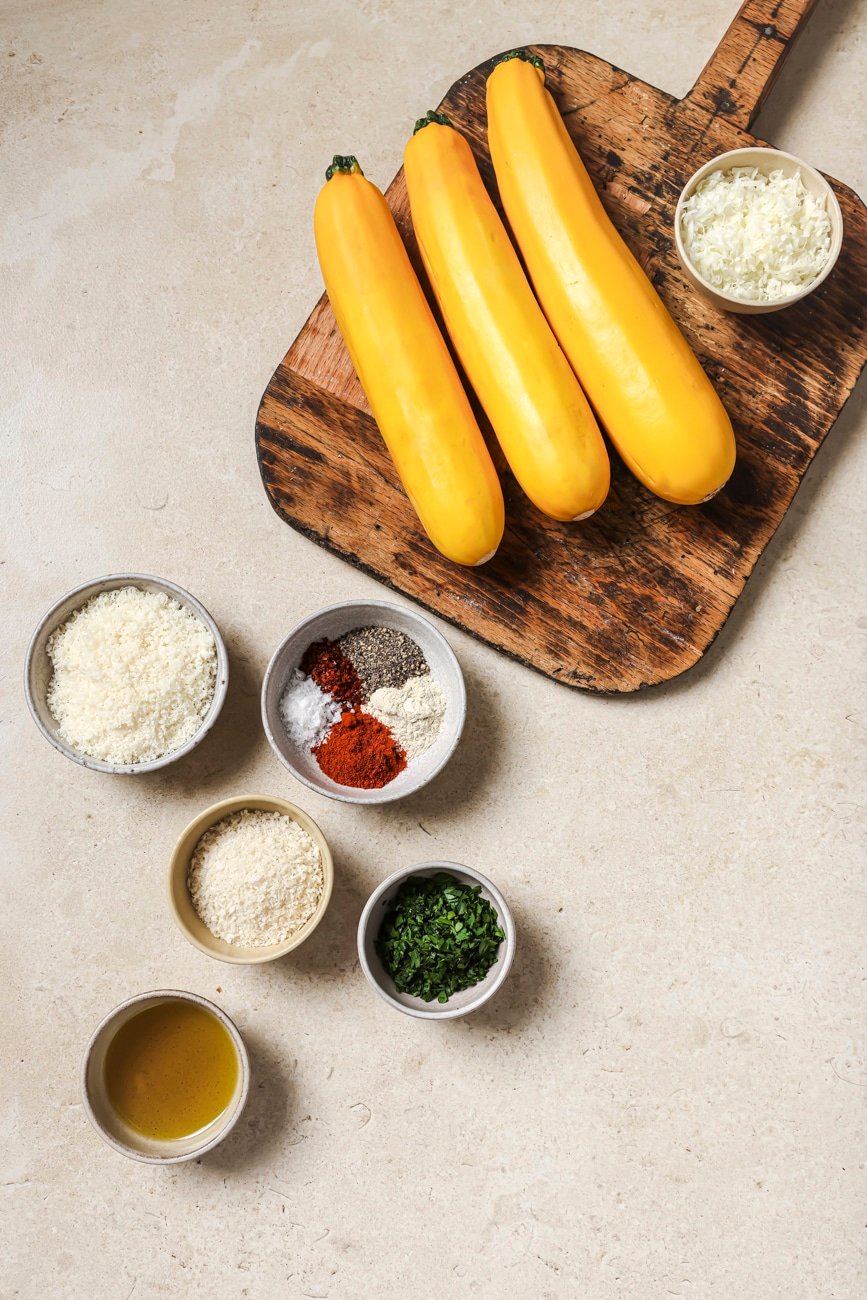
(112, 1128)
(766, 161)
(460, 1004)
(331, 623)
(38, 668)
(187, 918)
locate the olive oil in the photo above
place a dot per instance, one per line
(171, 1070)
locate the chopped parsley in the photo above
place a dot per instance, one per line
(439, 936)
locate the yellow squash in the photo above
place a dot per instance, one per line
(646, 385)
(541, 417)
(405, 368)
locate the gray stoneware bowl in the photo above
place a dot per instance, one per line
(331, 623)
(460, 1004)
(765, 160)
(38, 669)
(112, 1128)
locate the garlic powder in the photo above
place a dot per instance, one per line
(413, 713)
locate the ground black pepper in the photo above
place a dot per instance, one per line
(382, 656)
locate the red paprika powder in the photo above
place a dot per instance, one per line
(360, 751)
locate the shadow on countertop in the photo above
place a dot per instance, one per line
(526, 993)
(262, 1126)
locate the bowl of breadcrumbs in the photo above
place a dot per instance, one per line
(250, 879)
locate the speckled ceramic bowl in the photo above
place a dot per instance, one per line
(187, 918)
(765, 161)
(108, 1123)
(460, 1004)
(38, 668)
(332, 623)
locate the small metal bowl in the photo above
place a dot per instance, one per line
(331, 623)
(108, 1123)
(187, 918)
(38, 668)
(460, 1004)
(765, 161)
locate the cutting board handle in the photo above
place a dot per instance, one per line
(744, 66)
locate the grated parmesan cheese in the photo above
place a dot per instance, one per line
(255, 878)
(134, 676)
(753, 236)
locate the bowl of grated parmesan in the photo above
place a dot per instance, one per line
(757, 230)
(250, 879)
(126, 674)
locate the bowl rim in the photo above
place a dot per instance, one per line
(90, 588)
(719, 163)
(505, 917)
(208, 817)
(382, 795)
(181, 995)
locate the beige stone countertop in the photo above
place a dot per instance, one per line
(667, 1098)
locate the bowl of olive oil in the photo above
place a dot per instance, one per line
(165, 1077)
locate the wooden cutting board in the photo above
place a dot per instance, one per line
(637, 594)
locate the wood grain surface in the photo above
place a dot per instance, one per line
(636, 595)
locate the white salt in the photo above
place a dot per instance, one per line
(308, 713)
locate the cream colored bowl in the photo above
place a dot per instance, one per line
(186, 916)
(108, 1123)
(765, 161)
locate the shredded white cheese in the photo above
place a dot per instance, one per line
(255, 878)
(134, 676)
(753, 236)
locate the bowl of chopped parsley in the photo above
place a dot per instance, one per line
(436, 940)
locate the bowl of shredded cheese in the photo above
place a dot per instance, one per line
(126, 674)
(250, 879)
(757, 230)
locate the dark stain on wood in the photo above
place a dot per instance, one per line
(637, 594)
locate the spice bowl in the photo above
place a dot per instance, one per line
(38, 669)
(330, 624)
(181, 904)
(187, 918)
(463, 1002)
(110, 1125)
(765, 161)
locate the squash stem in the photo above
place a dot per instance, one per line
(522, 54)
(347, 163)
(431, 116)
